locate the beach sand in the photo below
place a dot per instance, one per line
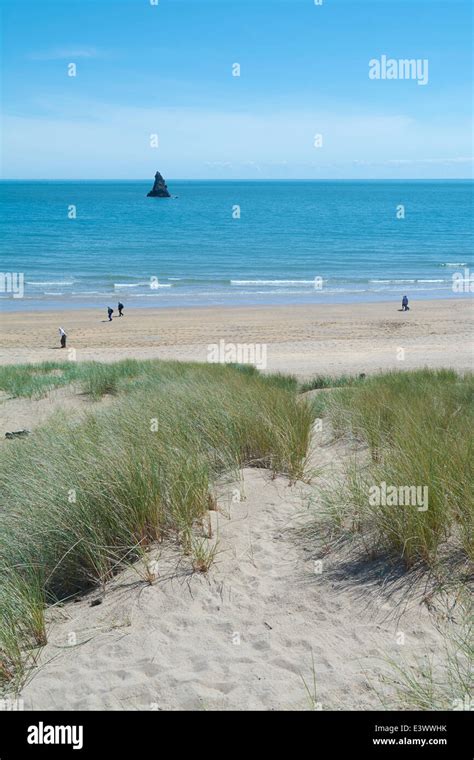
(303, 340)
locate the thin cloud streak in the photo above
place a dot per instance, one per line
(71, 53)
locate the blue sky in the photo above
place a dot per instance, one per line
(166, 69)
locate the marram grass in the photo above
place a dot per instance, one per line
(417, 427)
(78, 500)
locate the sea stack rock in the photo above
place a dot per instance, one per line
(159, 189)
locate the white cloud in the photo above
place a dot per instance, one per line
(455, 160)
(68, 53)
(87, 140)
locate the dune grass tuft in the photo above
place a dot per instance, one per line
(328, 381)
(34, 380)
(80, 499)
(417, 427)
(97, 379)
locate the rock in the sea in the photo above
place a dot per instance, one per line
(159, 189)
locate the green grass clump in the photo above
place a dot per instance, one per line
(94, 378)
(97, 379)
(418, 429)
(34, 380)
(78, 500)
(328, 381)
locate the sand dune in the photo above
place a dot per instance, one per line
(243, 636)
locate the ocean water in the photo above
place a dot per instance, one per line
(191, 250)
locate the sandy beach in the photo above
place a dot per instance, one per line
(303, 340)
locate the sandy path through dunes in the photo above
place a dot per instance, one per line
(244, 635)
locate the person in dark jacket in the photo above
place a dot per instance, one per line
(110, 312)
(120, 308)
(405, 306)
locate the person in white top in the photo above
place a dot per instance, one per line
(63, 337)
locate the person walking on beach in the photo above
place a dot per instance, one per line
(120, 308)
(110, 311)
(405, 306)
(62, 336)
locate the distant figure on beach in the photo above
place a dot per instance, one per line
(405, 306)
(110, 311)
(120, 308)
(62, 336)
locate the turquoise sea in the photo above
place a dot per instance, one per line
(193, 249)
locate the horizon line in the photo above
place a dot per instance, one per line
(240, 179)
